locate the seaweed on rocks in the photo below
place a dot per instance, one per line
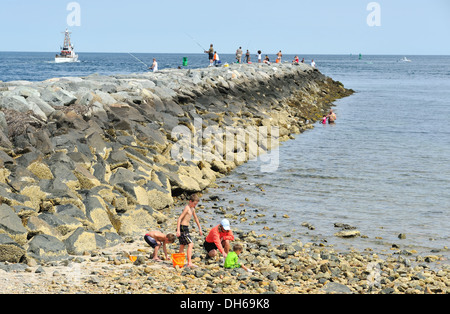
(105, 145)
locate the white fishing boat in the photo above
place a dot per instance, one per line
(67, 51)
(405, 60)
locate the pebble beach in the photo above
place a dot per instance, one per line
(293, 268)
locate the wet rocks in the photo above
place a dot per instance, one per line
(88, 161)
(347, 231)
(278, 268)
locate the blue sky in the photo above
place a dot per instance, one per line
(294, 26)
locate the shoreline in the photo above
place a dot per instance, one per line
(96, 158)
(241, 198)
(352, 238)
(283, 269)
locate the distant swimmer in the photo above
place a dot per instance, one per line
(154, 66)
(331, 117)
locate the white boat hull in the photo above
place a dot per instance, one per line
(66, 59)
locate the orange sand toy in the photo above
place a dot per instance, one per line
(179, 260)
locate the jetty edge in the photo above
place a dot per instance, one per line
(86, 162)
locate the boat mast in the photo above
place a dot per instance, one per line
(67, 43)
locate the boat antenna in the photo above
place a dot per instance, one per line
(138, 59)
(196, 41)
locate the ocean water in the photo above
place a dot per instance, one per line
(40, 66)
(384, 168)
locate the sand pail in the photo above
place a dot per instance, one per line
(179, 259)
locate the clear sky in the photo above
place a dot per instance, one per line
(407, 27)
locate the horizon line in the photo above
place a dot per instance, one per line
(232, 53)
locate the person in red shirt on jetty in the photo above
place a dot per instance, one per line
(219, 239)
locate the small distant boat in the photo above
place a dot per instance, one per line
(67, 51)
(405, 60)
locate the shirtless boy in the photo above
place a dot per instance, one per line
(183, 228)
(156, 239)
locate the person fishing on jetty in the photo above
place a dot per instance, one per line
(154, 66)
(219, 239)
(210, 53)
(247, 57)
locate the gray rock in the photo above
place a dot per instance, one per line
(70, 210)
(118, 158)
(64, 224)
(46, 248)
(45, 107)
(96, 212)
(11, 224)
(15, 102)
(158, 197)
(81, 241)
(10, 251)
(58, 98)
(348, 233)
(336, 288)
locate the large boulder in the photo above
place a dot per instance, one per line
(11, 225)
(136, 221)
(97, 213)
(10, 251)
(46, 248)
(158, 197)
(82, 241)
(63, 224)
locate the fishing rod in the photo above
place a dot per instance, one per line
(196, 42)
(138, 60)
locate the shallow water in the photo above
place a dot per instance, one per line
(384, 168)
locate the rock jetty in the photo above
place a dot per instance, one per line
(85, 162)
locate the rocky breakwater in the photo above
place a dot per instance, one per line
(87, 162)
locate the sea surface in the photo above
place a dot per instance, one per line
(384, 168)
